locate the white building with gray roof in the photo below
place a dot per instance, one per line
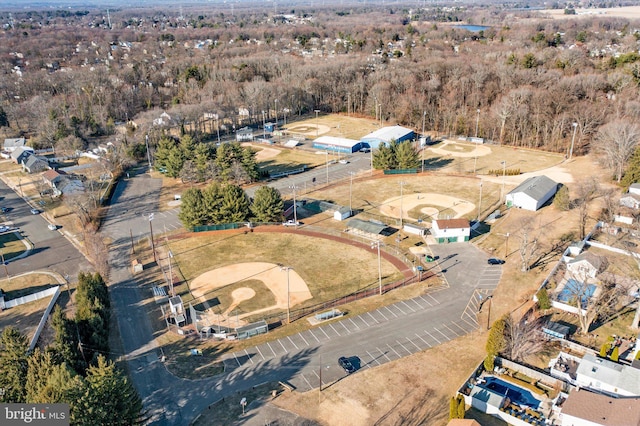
(532, 194)
(608, 377)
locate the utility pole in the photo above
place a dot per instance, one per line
(504, 172)
(479, 203)
(153, 247)
(573, 139)
(146, 141)
(295, 215)
(477, 121)
(351, 193)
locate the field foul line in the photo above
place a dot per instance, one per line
(249, 356)
(293, 343)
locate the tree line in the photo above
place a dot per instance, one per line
(74, 369)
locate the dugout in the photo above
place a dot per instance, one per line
(252, 329)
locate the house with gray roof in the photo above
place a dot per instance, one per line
(532, 194)
(10, 144)
(35, 164)
(608, 377)
(587, 265)
(21, 153)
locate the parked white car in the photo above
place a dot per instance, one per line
(52, 227)
(291, 223)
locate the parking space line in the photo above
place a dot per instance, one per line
(314, 336)
(374, 318)
(392, 313)
(249, 356)
(292, 342)
(281, 344)
(336, 331)
(305, 340)
(403, 347)
(432, 336)
(434, 299)
(238, 361)
(475, 323)
(414, 344)
(372, 359)
(457, 335)
(356, 325)
(345, 327)
(425, 342)
(399, 308)
(383, 316)
(445, 336)
(260, 352)
(457, 325)
(325, 333)
(420, 307)
(384, 354)
(274, 352)
(426, 301)
(394, 351)
(305, 379)
(409, 307)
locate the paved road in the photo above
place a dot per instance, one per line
(51, 251)
(374, 338)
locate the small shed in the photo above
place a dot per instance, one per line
(366, 228)
(244, 135)
(450, 230)
(342, 213)
(557, 330)
(532, 193)
(136, 266)
(410, 228)
(252, 329)
(177, 309)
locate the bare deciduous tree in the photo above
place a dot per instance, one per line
(528, 237)
(616, 141)
(522, 337)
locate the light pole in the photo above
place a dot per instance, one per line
(375, 106)
(276, 103)
(350, 193)
(380, 107)
(573, 139)
(295, 214)
(477, 121)
(377, 244)
(424, 116)
(287, 269)
(264, 132)
(401, 185)
(153, 247)
(317, 127)
(504, 172)
(146, 142)
(479, 203)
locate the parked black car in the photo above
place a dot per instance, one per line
(346, 365)
(494, 261)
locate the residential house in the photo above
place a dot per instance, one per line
(634, 188)
(607, 376)
(52, 177)
(244, 135)
(630, 200)
(587, 265)
(35, 164)
(532, 194)
(584, 408)
(450, 230)
(10, 144)
(21, 153)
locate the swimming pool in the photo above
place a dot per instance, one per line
(516, 394)
(574, 289)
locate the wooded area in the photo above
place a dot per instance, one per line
(70, 77)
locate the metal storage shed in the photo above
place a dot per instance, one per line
(387, 134)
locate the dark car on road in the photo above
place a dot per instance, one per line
(494, 261)
(346, 365)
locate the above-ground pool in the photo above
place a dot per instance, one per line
(574, 289)
(515, 393)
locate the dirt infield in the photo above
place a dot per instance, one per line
(269, 273)
(309, 129)
(456, 149)
(265, 153)
(392, 206)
